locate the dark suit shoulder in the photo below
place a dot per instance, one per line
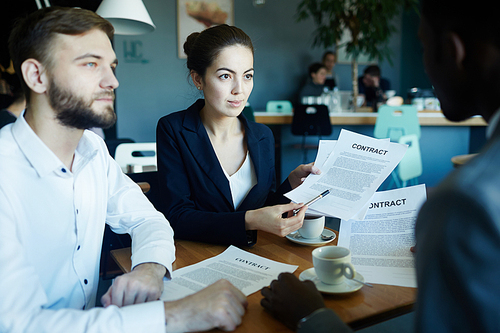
(259, 129)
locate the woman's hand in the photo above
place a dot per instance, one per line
(270, 219)
(298, 175)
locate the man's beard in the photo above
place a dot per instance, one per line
(74, 111)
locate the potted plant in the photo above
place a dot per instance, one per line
(369, 23)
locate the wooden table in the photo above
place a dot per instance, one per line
(360, 309)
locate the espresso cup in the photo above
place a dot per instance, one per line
(332, 264)
(312, 227)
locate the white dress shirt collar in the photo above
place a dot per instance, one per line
(43, 160)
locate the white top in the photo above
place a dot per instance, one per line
(51, 229)
(242, 181)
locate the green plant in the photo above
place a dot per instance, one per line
(369, 23)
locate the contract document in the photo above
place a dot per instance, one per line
(352, 168)
(246, 271)
(380, 244)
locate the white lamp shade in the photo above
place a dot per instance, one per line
(128, 17)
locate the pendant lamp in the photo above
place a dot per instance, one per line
(128, 17)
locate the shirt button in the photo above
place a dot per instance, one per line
(78, 248)
(85, 281)
(63, 170)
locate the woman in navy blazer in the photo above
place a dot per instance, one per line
(201, 147)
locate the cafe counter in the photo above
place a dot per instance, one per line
(440, 139)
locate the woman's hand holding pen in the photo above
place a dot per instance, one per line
(270, 219)
(298, 175)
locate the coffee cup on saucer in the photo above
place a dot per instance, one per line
(312, 227)
(332, 264)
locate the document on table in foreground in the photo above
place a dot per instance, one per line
(353, 171)
(246, 271)
(380, 244)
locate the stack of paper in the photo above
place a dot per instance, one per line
(380, 243)
(352, 168)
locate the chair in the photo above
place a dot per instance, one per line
(401, 124)
(136, 157)
(113, 143)
(279, 106)
(311, 120)
(395, 121)
(410, 166)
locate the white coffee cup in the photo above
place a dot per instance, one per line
(312, 226)
(332, 264)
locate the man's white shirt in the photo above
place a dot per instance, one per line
(51, 228)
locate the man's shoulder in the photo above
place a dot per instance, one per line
(385, 84)
(477, 182)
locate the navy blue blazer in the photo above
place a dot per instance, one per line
(195, 193)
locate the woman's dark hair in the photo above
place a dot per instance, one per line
(33, 36)
(202, 48)
(315, 67)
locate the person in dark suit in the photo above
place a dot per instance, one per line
(216, 168)
(458, 228)
(373, 86)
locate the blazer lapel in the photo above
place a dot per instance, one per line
(197, 140)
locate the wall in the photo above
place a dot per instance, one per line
(153, 80)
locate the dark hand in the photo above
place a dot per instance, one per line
(290, 300)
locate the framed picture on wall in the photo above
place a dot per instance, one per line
(193, 16)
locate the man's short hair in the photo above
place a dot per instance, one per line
(327, 53)
(33, 35)
(314, 68)
(372, 70)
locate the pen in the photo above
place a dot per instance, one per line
(310, 202)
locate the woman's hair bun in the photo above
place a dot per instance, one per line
(190, 40)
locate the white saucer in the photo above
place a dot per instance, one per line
(297, 238)
(348, 286)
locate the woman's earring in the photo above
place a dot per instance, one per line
(199, 88)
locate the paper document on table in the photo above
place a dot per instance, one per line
(380, 244)
(246, 271)
(352, 171)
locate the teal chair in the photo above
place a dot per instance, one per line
(279, 106)
(395, 121)
(400, 124)
(410, 166)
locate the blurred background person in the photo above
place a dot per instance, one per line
(373, 87)
(315, 84)
(329, 59)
